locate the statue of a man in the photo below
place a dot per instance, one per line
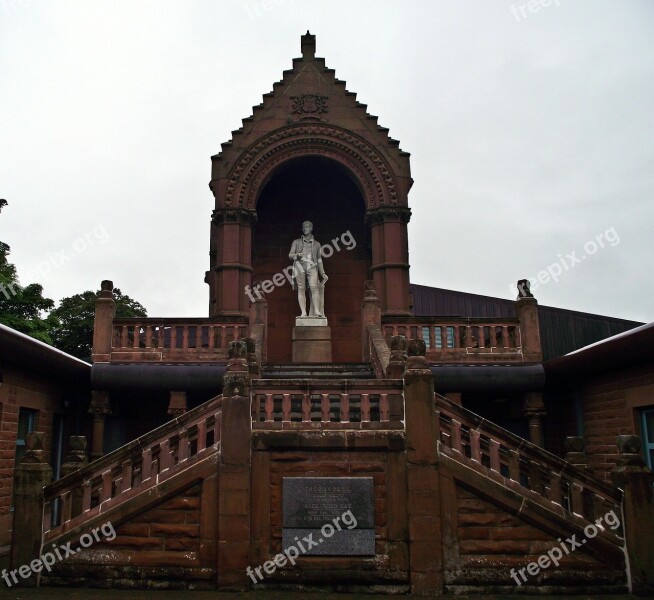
(307, 266)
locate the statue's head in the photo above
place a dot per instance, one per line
(307, 227)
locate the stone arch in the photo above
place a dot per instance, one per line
(257, 164)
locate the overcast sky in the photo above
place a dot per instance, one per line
(531, 133)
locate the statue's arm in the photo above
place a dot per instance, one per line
(293, 253)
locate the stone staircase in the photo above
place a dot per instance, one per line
(318, 371)
(502, 502)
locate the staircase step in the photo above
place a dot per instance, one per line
(318, 371)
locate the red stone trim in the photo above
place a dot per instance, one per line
(353, 152)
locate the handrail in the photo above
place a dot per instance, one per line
(485, 446)
(379, 351)
(458, 334)
(340, 404)
(135, 467)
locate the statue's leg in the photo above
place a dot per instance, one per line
(315, 294)
(300, 278)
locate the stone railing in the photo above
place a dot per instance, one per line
(379, 351)
(128, 471)
(452, 339)
(173, 340)
(520, 465)
(346, 404)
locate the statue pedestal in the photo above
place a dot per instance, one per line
(312, 340)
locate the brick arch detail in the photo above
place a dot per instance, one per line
(255, 166)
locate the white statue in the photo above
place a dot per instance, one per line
(307, 265)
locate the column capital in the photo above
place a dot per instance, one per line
(384, 214)
(242, 216)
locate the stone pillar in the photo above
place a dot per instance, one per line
(632, 475)
(73, 461)
(231, 269)
(30, 477)
(259, 326)
(105, 310)
(534, 410)
(178, 404)
(526, 310)
(424, 513)
(397, 362)
(390, 257)
(575, 453)
(100, 407)
(370, 315)
(254, 366)
(235, 466)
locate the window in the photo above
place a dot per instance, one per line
(648, 436)
(26, 420)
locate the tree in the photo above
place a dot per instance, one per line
(21, 307)
(75, 315)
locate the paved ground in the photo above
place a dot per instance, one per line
(88, 594)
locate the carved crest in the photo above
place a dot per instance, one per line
(308, 104)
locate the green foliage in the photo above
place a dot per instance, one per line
(68, 327)
(21, 307)
(74, 332)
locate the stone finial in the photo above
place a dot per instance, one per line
(575, 453)
(417, 347)
(369, 292)
(76, 456)
(308, 46)
(398, 358)
(106, 289)
(416, 361)
(524, 289)
(35, 443)
(236, 381)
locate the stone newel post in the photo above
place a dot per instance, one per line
(526, 309)
(105, 310)
(235, 465)
(632, 475)
(370, 315)
(30, 477)
(425, 549)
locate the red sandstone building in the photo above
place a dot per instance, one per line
(482, 430)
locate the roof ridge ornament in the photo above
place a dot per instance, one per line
(308, 46)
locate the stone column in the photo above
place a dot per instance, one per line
(632, 475)
(259, 326)
(178, 404)
(75, 459)
(235, 466)
(100, 407)
(232, 269)
(526, 309)
(390, 257)
(425, 547)
(30, 477)
(534, 410)
(105, 310)
(370, 315)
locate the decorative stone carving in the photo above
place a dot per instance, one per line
(397, 362)
(233, 215)
(236, 381)
(308, 104)
(388, 213)
(524, 289)
(259, 160)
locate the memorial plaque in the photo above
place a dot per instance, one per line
(337, 515)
